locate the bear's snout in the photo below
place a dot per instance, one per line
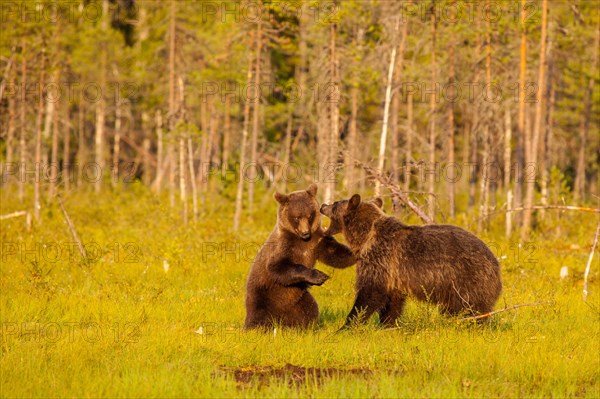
(305, 235)
(326, 210)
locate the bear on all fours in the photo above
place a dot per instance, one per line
(441, 264)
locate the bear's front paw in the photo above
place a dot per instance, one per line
(318, 277)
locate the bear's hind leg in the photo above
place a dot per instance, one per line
(392, 309)
(304, 312)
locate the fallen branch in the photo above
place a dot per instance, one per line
(589, 263)
(14, 215)
(17, 214)
(482, 316)
(395, 190)
(72, 228)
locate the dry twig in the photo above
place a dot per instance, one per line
(395, 190)
(72, 228)
(482, 316)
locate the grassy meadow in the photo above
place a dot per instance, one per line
(157, 308)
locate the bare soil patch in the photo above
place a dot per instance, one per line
(294, 375)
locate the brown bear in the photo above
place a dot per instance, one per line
(283, 270)
(442, 264)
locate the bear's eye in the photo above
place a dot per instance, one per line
(296, 219)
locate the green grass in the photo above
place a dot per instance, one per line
(121, 326)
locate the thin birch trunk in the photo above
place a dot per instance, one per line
(507, 187)
(66, 161)
(522, 137)
(409, 139)
(101, 104)
(171, 116)
(10, 131)
(332, 135)
(585, 123)
(287, 150)
(54, 156)
(533, 148)
(38, 143)
(192, 179)
(226, 133)
(23, 122)
(386, 110)
(159, 152)
(182, 185)
(487, 137)
(451, 186)
(146, 177)
(240, 187)
(548, 139)
(350, 155)
(81, 144)
(117, 143)
(255, 116)
(432, 127)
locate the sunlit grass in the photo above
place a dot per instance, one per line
(122, 325)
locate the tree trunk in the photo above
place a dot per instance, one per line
(192, 179)
(182, 186)
(146, 177)
(66, 161)
(332, 142)
(171, 116)
(522, 137)
(350, 155)
(507, 187)
(352, 138)
(240, 187)
(204, 151)
(585, 123)
(450, 111)
(386, 108)
(475, 127)
(487, 157)
(432, 132)
(548, 140)
(38, 143)
(255, 116)
(101, 104)
(54, 155)
(544, 143)
(23, 122)
(287, 150)
(81, 144)
(117, 143)
(409, 137)
(226, 133)
(533, 147)
(159, 151)
(10, 131)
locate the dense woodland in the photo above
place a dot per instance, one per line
(467, 107)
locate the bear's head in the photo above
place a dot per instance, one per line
(360, 214)
(298, 212)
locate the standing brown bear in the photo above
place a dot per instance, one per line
(277, 287)
(443, 264)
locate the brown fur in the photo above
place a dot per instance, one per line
(442, 264)
(277, 286)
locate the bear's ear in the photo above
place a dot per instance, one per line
(281, 198)
(354, 202)
(312, 189)
(377, 201)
